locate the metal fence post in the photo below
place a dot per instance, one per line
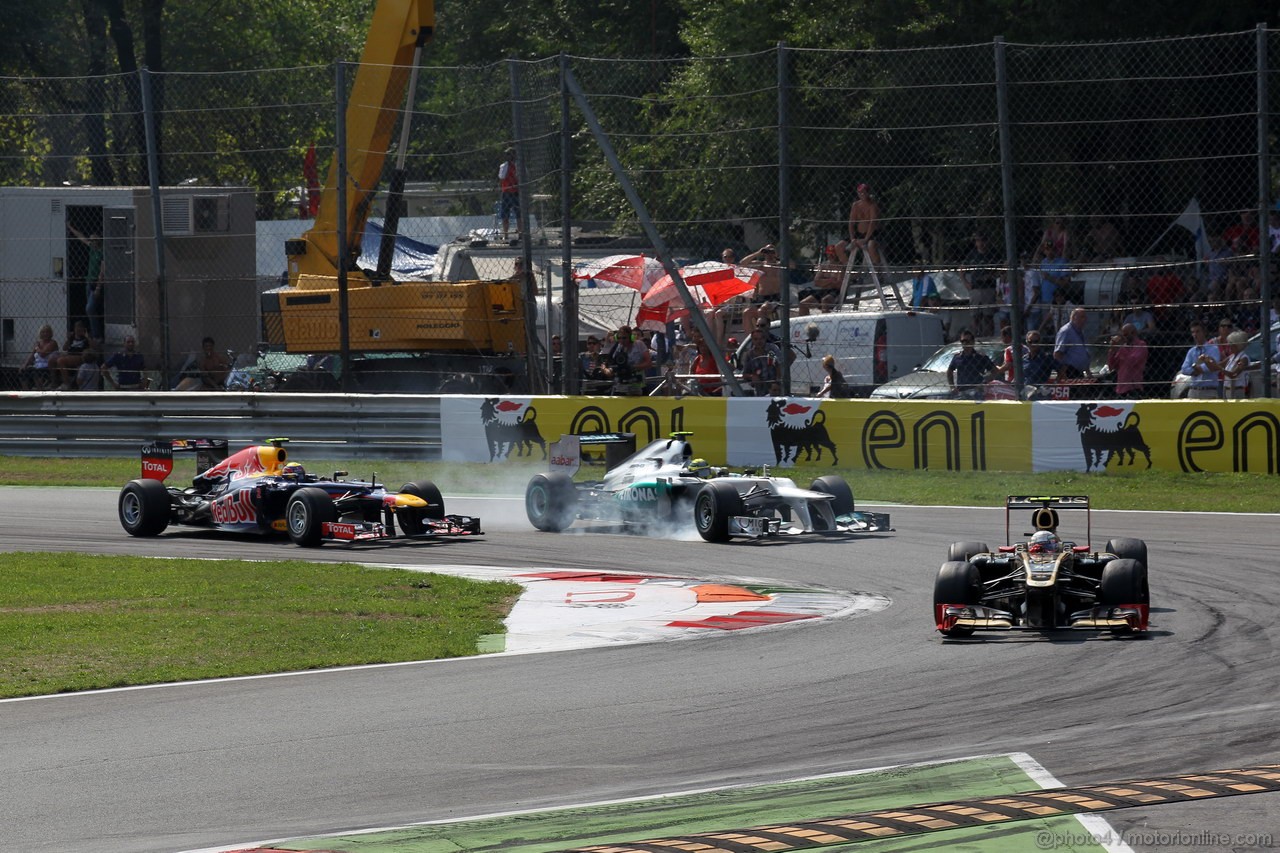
(340, 144)
(784, 215)
(569, 295)
(1007, 194)
(153, 177)
(651, 231)
(1264, 191)
(539, 380)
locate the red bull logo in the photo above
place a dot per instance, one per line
(235, 508)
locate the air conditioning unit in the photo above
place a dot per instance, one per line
(210, 213)
(182, 216)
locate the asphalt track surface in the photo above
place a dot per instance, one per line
(239, 761)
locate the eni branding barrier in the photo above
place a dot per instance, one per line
(1097, 435)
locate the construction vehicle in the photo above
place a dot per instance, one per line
(453, 322)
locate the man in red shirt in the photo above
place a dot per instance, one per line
(1165, 289)
(509, 185)
(1243, 236)
(1128, 358)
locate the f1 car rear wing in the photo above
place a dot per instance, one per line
(1044, 510)
(566, 454)
(157, 457)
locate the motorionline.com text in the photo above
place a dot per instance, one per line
(1205, 839)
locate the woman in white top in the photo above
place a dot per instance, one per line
(1233, 367)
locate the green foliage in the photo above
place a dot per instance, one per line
(75, 622)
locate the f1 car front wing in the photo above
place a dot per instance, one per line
(369, 531)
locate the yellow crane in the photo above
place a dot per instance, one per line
(471, 317)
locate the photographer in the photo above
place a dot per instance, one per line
(597, 375)
(629, 359)
(760, 364)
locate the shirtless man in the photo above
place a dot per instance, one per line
(825, 290)
(864, 220)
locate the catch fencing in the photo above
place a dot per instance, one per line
(1139, 159)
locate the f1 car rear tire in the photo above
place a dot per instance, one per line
(958, 582)
(1128, 549)
(305, 514)
(412, 520)
(1123, 582)
(716, 503)
(551, 501)
(965, 551)
(837, 487)
(144, 507)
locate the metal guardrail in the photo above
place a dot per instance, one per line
(337, 426)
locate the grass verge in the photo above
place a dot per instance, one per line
(73, 622)
(1130, 489)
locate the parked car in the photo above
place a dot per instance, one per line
(1182, 382)
(929, 380)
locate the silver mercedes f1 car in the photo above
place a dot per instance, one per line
(664, 484)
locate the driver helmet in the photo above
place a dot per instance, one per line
(294, 470)
(700, 468)
(1045, 542)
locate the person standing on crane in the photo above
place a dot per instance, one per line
(509, 185)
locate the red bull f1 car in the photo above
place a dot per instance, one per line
(259, 490)
(663, 486)
(1046, 582)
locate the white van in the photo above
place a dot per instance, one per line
(870, 347)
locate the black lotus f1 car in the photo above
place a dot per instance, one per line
(258, 490)
(1046, 582)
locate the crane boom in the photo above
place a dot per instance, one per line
(397, 29)
(466, 325)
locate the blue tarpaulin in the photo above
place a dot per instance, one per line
(412, 261)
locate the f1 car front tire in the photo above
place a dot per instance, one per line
(305, 514)
(144, 507)
(1128, 549)
(551, 501)
(965, 551)
(837, 487)
(412, 520)
(1123, 582)
(716, 503)
(958, 582)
